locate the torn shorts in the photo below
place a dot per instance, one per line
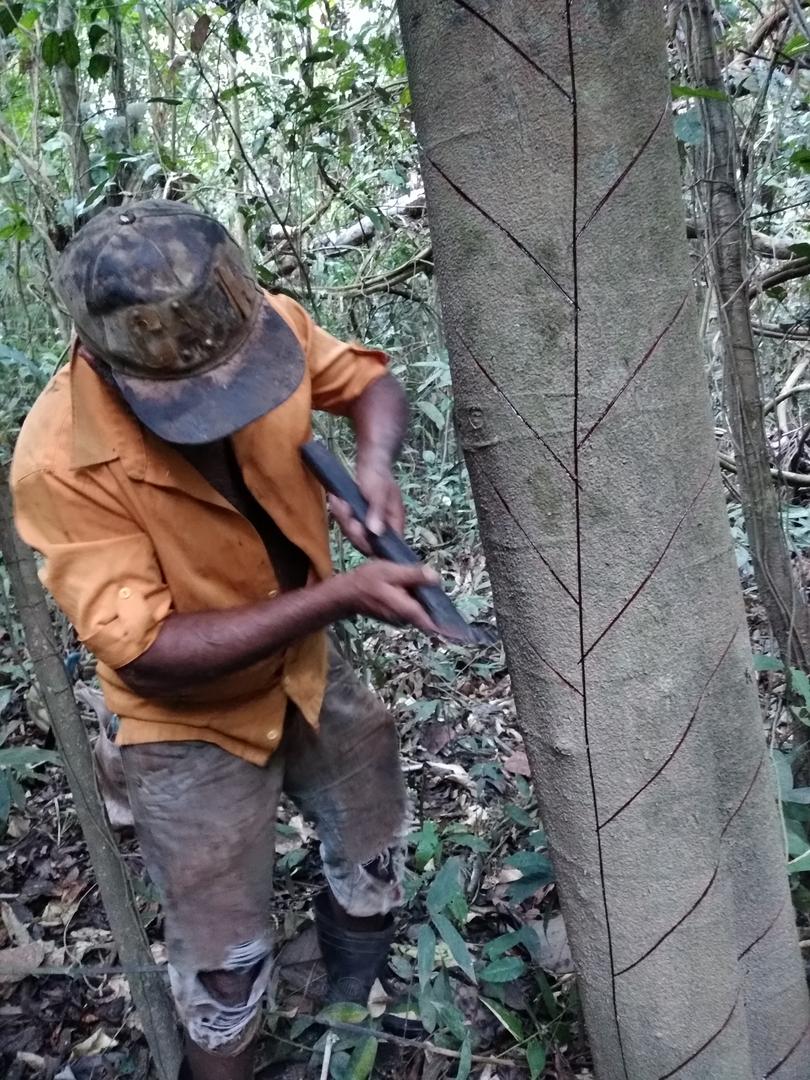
(206, 819)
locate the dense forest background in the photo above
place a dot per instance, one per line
(290, 120)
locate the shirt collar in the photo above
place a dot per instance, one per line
(103, 427)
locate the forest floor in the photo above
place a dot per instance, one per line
(499, 999)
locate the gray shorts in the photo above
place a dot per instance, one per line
(206, 819)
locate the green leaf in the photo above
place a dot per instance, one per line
(798, 795)
(800, 865)
(699, 92)
(503, 970)
(27, 757)
(342, 1012)
(95, 34)
(10, 15)
(425, 954)
(456, 944)
(511, 1021)
(767, 663)
(362, 1060)
(784, 773)
(51, 49)
(800, 684)
(237, 42)
(801, 158)
(795, 46)
(318, 56)
(71, 53)
(525, 936)
(428, 845)
(99, 65)
(536, 1058)
(5, 799)
(433, 413)
(464, 1059)
(689, 127)
(532, 864)
(453, 1020)
(445, 886)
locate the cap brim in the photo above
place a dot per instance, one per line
(257, 378)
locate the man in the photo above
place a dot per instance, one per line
(159, 475)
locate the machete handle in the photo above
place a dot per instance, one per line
(323, 464)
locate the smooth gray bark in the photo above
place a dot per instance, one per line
(555, 206)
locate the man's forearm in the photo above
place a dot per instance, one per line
(192, 649)
(380, 418)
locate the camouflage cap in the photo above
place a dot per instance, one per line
(162, 293)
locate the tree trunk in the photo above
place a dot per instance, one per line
(554, 196)
(149, 992)
(726, 250)
(67, 89)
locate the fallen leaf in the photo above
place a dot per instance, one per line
(33, 1061)
(96, 1043)
(518, 764)
(16, 930)
(18, 961)
(199, 33)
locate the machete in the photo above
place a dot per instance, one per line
(323, 464)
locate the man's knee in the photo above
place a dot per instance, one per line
(369, 888)
(220, 1009)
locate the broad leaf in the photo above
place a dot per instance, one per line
(536, 1058)
(456, 944)
(511, 1021)
(98, 65)
(51, 48)
(71, 53)
(342, 1012)
(445, 886)
(362, 1060)
(464, 1059)
(425, 954)
(505, 969)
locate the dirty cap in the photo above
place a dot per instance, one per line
(163, 295)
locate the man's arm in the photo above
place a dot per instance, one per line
(192, 649)
(380, 419)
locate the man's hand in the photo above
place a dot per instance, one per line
(385, 507)
(381, 589)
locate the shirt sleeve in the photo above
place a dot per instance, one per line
(340, 371)
(99, 566)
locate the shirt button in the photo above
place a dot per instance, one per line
(125, 593)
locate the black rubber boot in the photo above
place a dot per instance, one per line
(353, 959)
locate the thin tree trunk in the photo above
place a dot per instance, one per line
(555, 206)
(67, 89)
(149, 992)
(726, 248)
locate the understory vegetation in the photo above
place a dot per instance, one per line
(290, 121)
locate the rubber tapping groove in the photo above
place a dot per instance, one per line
(765, 932)
(680, 741)
(578, 513)
(493, 221)
(647, 577)
(642, 362)
(617, 183)
(513, 45)
(708, 1042)
(791, 1051)
(512, 406)
(502, 500)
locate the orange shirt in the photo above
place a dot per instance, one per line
(130, 532)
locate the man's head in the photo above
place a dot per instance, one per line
(163, 295)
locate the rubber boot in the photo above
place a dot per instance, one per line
(353, 959)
